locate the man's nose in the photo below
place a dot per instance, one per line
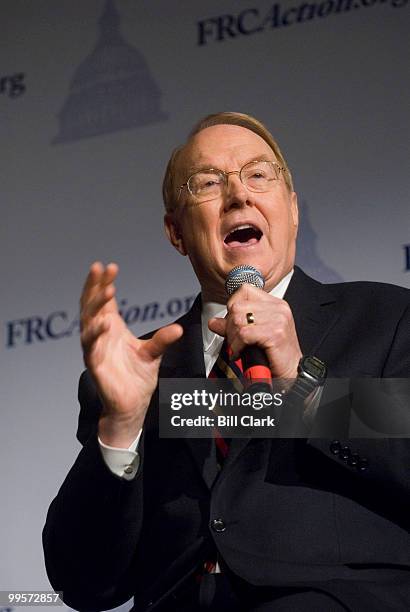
(236, 194)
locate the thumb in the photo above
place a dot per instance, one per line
(162, 339)
(217, 325)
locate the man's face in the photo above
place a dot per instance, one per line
(206, 231)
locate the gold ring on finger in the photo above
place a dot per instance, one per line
(250, 319)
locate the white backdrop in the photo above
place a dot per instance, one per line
(93, 97)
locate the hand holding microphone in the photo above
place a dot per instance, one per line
(258, 320)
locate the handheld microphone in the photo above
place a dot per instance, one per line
(255, 363)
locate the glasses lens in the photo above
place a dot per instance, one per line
(259, 175)
(204, 185)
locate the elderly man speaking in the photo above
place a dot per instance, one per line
(256, 524)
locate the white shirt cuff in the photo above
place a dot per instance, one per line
(123, 462)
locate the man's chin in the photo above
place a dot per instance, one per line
(249, 259)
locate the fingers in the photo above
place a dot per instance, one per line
(235, 325)
(272, 328)
(250, 293)
(91, 333)
(97, 303)
(162, 339)
(93, 277)
(271, 323)
(98, 289)
(98, 274)
(98, 292)
(218, 326)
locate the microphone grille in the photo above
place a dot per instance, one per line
(243, 274)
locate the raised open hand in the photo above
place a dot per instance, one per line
(125, 368)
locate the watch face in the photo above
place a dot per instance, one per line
(314, 367)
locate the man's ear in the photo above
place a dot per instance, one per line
(294, 210)
(174, 233)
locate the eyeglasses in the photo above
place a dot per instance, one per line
(258, 176)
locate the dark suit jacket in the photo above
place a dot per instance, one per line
(296, 513)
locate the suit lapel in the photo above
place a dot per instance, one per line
(185, 359)
(315, 310)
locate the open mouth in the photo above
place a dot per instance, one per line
(243, 235)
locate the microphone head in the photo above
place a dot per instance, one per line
(243, 274)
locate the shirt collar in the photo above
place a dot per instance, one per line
(213, 309)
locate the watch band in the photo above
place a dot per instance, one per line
(311, 376)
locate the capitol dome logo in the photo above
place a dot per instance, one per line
(112, 89)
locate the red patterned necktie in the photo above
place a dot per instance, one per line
(225, 367)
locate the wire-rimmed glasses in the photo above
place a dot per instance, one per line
(208, 184)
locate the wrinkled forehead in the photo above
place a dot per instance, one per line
(226, 147)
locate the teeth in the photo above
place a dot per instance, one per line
(240, 227)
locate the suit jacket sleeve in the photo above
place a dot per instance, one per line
(378, 469)
(94, 523)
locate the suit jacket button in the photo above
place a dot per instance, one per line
(362, 465)
(345, 453)
(335, 447)
(353, 460)
(218, 525)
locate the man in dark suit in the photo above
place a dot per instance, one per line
(291, 524)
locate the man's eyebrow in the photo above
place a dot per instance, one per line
(263, 157)
(193, 169)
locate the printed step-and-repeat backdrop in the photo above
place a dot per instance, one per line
(93, 97)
